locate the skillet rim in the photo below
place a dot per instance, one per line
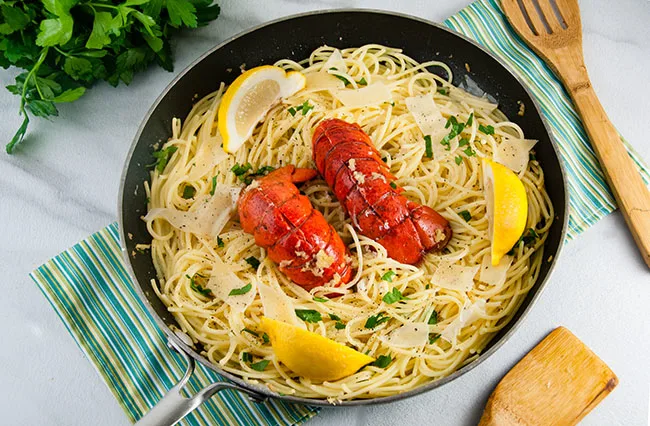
(263, 391)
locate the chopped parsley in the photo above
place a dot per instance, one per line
(362, 81)
(239, 291)
(292, 111)
(433, 319)
(456, 129)
(531, 156)
(162, 157)
(320, 299)
(247, 357)
(334, 317)
(458, 159)
(393, 185)
(388, 276)
(465, 215)
(382, 361)
(261, 365)
(198, 287)
(253, 262)
(265, 338)
(305, 108)
(214, 184)
(309, 315)
(393, 296)
(375, 320)
(428, 149)
(249, 331)
(220, 242)
(443, 90)
(528, 238)
(488, 130)
(189, 191)
(240, 170)
(339, 325)
(470, 120)
(463, 142)
(469, 151)
(340, 77)
(433, 338)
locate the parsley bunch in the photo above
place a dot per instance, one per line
(67, 45)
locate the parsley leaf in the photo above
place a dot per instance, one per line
(253, 262)
(265, 338)
(292, 111)
(382, 361)
(393, 185)
(320, 299)
(433, 319)
(239, 291)
(240, 170)
(470, 120)
(388, 276)
(181, 12)
(458, 159)
(197, 287)
(443, 90)
(339, 325)
(375, 320)
(220, 242)
(465, 215)
(393, 296)
(469, 151)
(249, 331)
(463, 142)
(305, 107)
(428, 149)
(261, 365)
(309, 315)
(335, 317)
(433, 338)
(362, 81)
(247, 357)
(488, 130)
(162, 157)
(340, 77)
(188, 192)
(214, 184)
(456, 129)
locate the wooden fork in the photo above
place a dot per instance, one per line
(553, 30)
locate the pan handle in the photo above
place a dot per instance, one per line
(174, 406)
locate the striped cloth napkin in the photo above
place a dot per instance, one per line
(93, 294)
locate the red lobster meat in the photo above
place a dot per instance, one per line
(298, 238)
(352, 167)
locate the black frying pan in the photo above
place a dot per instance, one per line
(295, 38)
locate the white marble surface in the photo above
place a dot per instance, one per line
(64, 187)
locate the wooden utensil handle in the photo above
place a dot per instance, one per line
(632, 195)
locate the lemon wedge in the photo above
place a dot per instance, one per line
(311, 355)
(507, 207)
(249, 98)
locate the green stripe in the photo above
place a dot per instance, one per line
(89, 288)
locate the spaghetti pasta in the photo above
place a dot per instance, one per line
(460, 322)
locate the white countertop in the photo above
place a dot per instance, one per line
(64, 187)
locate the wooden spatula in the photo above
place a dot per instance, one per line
(553, 30)
(557, 383)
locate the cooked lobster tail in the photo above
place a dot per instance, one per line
(298, 238)
(353, 168)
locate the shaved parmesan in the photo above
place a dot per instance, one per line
(373, 94)
(208, 219)
(277, 305)
(409, 335)
(208, 155)
(335, 61)
(223, 280)
(454, 277)
(429, 119)
(513, 153)
(322, 81)
(494, 275)
(470, 313)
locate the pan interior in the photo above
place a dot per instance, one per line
(295, 38)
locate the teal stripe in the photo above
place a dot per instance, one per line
(89, 288)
